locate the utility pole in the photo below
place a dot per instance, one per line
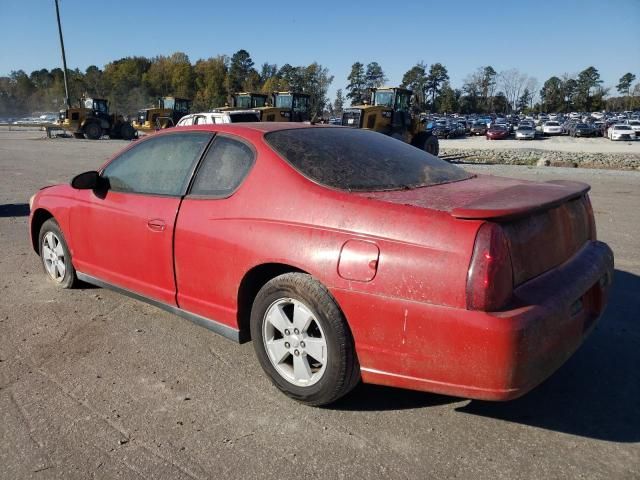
(64, 58)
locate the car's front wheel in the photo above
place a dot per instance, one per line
(55, 255)
(302, 340)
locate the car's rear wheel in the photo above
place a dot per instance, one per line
(302, 340)
(55, 255)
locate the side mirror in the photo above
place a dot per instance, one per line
(87, 181)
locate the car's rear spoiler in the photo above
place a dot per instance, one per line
(520, 200)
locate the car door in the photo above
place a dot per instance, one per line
(124, 236)
(207, 261)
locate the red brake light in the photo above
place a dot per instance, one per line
(490, 277)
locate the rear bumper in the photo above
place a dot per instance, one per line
(488, 355)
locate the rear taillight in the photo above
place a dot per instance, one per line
(490, 277)
(592, 220)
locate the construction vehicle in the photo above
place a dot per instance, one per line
(389, 113)
(245, 101)
(283, 107)
(167, 114)
(93, 120)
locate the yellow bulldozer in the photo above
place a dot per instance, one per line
(165, 115)
(282, 107)
(390, 113)
(92, 120)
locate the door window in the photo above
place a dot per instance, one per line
(161, 165)
(224, 168)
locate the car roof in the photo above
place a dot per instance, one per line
(248, 127)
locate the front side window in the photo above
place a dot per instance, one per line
(223, 169)
(300, 104)
(158, 166)
(402, 102)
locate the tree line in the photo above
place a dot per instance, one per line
(132, 83)
(135, 82)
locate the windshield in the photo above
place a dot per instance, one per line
(524, 127)
(243, 101)
(622, 127)
(582, 125)
(284, 101)
(383, 99)
(360, 160)
(553, 124)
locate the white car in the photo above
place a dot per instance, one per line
(635, 126)
(552, 128)
(621, 132)
(525, 132)
(227, 116)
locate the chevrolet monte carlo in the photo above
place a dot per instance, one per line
(344, 254)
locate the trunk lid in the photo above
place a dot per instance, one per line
(545, 222)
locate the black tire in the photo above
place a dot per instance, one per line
(127, 132)
(341, 369)
(426, 142)
(93, 131)
(69, 279)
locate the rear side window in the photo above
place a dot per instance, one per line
(161, 165)
(360, 160)
(223, 169)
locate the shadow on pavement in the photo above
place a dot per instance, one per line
(379, 398)
(596, 393)
(14, 210)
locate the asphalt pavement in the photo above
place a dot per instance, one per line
(96, 385)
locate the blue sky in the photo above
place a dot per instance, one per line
(538, 37)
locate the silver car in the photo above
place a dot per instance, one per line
(525, 132)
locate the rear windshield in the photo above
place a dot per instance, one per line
(360, 160)
(553, 124)
(243, 117)
(622, 127)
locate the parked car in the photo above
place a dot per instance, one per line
(230, 116)
(635, 126)
(525, 132)
(345, 255)
(497, 132)
(447, 129)
(478, 128)
(581, 130)
(620, 131)
(551, 128)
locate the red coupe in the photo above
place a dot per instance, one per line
(344, 254)
(497, 132)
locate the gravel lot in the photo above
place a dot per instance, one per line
(561, 143)
(94, 384)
